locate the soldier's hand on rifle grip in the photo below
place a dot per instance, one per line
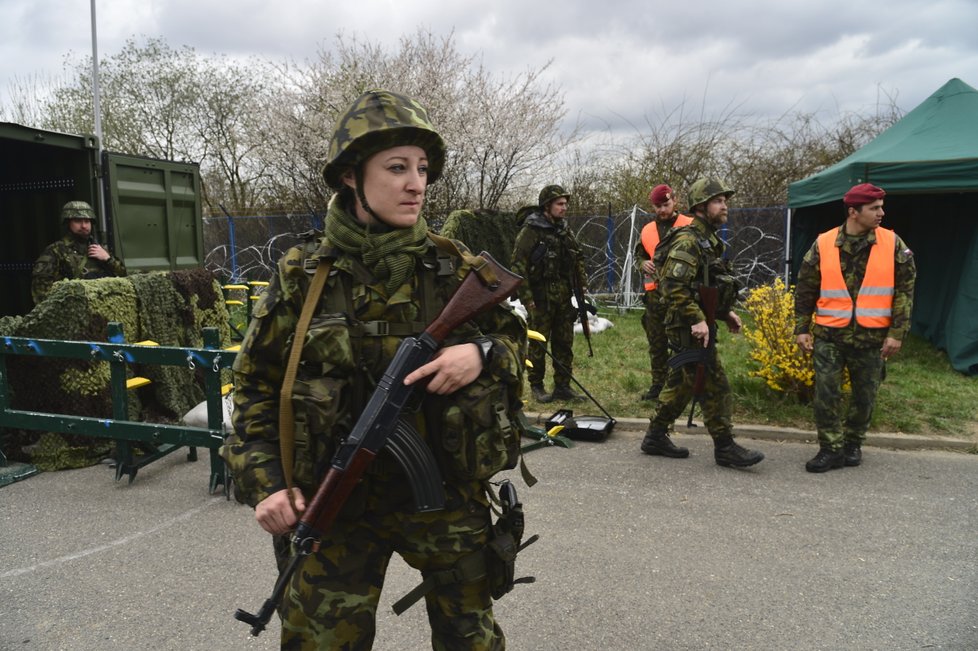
(451, 369)
(701, 331)
(275, 513)
(733, 322)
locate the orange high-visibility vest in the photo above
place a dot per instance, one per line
(874, 303)
(650, 240)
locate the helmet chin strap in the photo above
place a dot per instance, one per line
(362, 197)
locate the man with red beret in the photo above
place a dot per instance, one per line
(858, 281)
(663, 201)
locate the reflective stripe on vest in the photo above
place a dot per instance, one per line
(874, 303)
(650, 240)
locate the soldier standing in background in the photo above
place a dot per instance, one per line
(75, 256)
(666, 218)
(548, 256)
(689, 257)
(872, 263)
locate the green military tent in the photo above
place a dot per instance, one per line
(928, 164)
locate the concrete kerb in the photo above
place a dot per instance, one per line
(635, 428)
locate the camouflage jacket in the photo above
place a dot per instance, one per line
(548, 257)
(693, 256)
(853, 257)
(345, 353)
(67, 259)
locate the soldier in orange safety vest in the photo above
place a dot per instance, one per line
(858, 281)
(663, 202)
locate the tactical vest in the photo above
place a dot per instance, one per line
(650, 240)
(874, 302)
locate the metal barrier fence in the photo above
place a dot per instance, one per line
(161, 439)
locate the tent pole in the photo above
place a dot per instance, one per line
(787, 247)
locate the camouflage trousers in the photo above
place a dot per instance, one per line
(715, 401)
(331, 602)
(557, 325)
(865, 368)
(655, 332)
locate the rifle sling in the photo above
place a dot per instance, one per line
(477, 263)
(286, 414)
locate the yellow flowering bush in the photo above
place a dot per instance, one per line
(781, 363)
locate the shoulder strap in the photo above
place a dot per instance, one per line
(477, 263)
(286, 415)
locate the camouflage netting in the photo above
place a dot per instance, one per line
(170, 308)
(484, 230)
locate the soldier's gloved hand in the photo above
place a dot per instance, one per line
(275, 513)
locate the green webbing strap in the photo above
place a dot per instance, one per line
(467, 569)
(286, 415)
(477, 263)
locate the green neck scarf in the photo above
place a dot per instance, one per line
(390, 255)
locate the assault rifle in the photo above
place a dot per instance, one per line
(709, 299)
(582, 310)
(379, 428)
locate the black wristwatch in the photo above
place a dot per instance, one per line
(485, 349)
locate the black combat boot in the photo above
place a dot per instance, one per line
(564, 392)
(540, 394)
(853, 453)
(657, 441)
(728, 453)
(826, 459)
(653, 392)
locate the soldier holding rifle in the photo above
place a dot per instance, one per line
(388, 279)
(697, 289)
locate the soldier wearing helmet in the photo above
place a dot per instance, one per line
(686, 259)
(386, 280)
(548, 256)
(75, 256)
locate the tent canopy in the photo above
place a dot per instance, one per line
(928, 165)
(933, 148)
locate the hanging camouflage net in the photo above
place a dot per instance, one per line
(170, 308)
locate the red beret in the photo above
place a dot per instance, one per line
(862, 194)
(660, 194)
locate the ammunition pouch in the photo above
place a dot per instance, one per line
(495, 563)
(477, 430)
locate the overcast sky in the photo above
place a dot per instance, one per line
(616, 61)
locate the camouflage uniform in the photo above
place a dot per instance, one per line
(695, 252)
(332, 599)
(548, 257)
(655, 312)
(68, 259)
(854, 347)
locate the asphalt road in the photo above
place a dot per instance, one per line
(635, 553)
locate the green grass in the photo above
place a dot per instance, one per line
(922, 394)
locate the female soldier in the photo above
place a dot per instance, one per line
(388, 279)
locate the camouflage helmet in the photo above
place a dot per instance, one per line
(551, 192)
(77, 210)
(705, 188)
(379, 120)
